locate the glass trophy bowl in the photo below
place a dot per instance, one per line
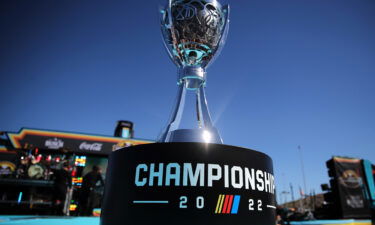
(194, 31)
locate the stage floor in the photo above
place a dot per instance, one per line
(48, 220)
(333, 222)
(60, 220)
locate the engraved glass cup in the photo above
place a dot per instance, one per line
(194, 31)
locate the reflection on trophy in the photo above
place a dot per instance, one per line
(194, 32)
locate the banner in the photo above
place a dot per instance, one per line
(75, 142)
(350, 183)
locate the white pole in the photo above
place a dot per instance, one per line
(303, 174)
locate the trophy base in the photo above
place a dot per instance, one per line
(188, 184)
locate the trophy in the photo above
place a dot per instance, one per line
(189, 177)
(194, 31)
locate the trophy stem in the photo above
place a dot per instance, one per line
(200, 129)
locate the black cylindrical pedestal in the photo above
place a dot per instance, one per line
(188, 184)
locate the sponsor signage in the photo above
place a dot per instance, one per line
(54, 143)
(189, 183)
(91, 146)
(350, 186)
(8, 162)
(76, 142)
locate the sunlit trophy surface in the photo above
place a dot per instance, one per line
(194, 31)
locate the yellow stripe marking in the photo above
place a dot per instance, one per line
(221, 203)
(217, 204)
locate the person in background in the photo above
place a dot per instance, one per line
(63, 183)
(279, 221)
(88, 197)
(281, 213)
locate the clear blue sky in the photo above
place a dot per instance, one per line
(293, 72)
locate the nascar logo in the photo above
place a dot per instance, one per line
(227, 204)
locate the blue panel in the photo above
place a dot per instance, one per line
(48, 220)
(370, 180)
(236, 203)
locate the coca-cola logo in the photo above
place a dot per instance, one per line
(54, 143)
(91, 146)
